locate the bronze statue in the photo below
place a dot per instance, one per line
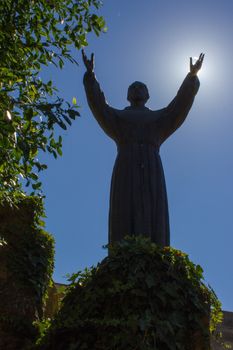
(138, 200)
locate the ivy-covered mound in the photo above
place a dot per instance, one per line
(140, 297)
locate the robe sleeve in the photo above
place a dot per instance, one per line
(103, 113)
(175, 113)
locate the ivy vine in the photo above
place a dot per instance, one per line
(139, 297)
(27, 260)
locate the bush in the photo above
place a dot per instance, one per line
(140, 297)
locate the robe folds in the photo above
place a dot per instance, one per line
(138, 198)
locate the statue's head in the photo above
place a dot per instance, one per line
(138, 93)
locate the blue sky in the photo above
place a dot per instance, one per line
(151, 41)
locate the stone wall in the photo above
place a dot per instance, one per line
(26, 264)
(227, 333)
(55, 295)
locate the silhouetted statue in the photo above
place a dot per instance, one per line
(138, 200)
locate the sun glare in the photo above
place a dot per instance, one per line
(195, 58)
(206, 71)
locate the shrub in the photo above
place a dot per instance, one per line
(139, 297)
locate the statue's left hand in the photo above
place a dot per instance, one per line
(89, 64)
(194, 68)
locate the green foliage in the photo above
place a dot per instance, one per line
(26, 267)
(28, 251)
(42, 327)
(34, 34)
(140, 297)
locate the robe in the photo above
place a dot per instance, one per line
(138, 198)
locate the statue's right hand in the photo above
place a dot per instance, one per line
(89, 64)
(194, 68)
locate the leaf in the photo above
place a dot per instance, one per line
(54, 154)
(61, 124)
(67, 119)
(59, 151)
(74, 101)
(73, 114)
(34, 176)
(61, 63)
(36, 186)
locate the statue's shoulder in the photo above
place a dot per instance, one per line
(135, 115)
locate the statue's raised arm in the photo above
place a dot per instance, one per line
(177, 110)
(103, 113)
